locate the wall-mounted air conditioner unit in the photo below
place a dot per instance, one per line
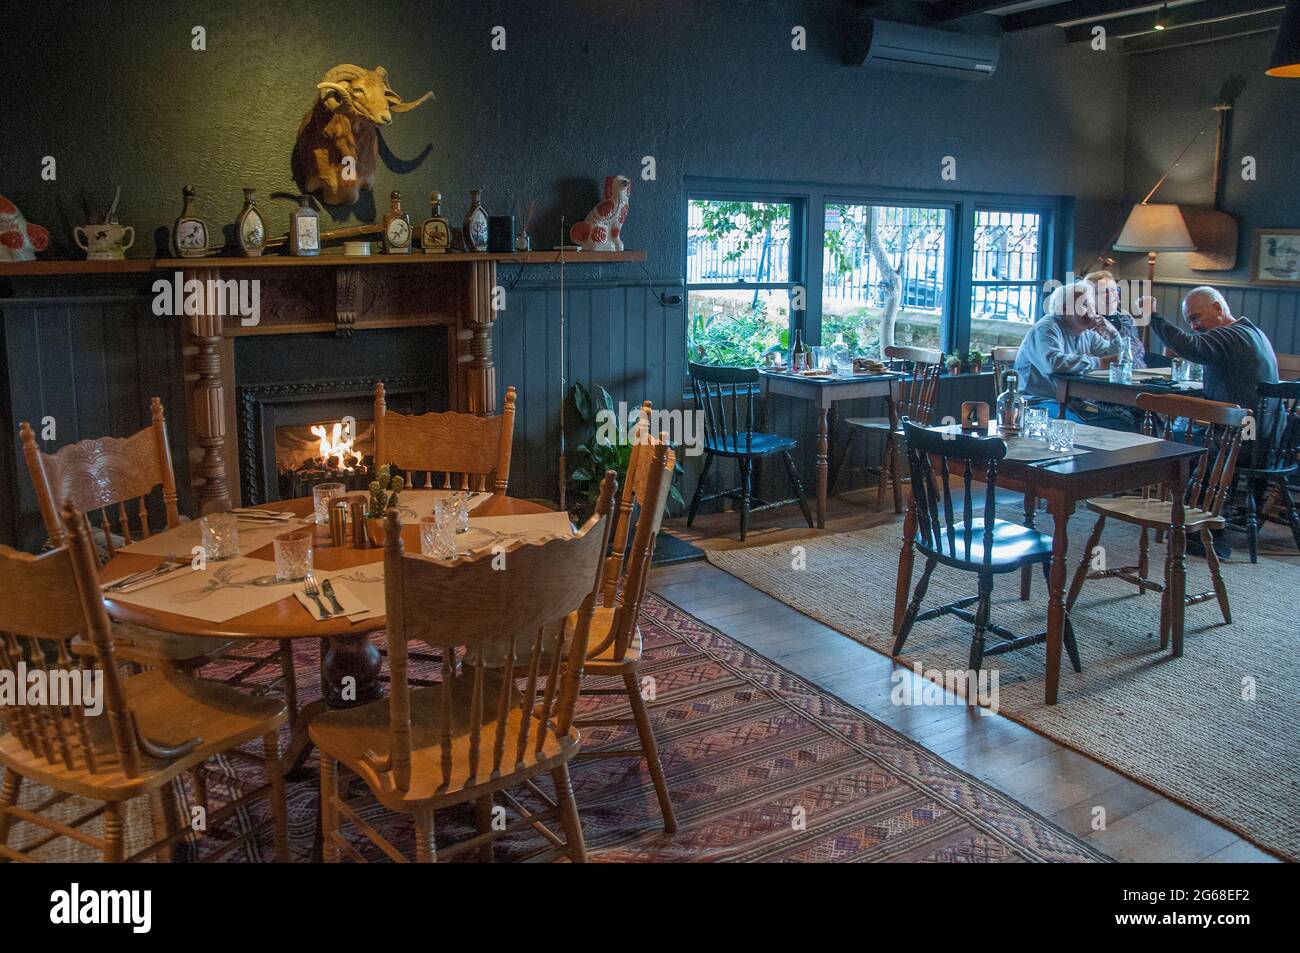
(904, 48)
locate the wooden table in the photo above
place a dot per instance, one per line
(825, 392)
(350, 664)
(1084, 387)
(1062, 485)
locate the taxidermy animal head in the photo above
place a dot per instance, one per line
(338, 142)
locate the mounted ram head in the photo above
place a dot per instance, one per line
(338, 141)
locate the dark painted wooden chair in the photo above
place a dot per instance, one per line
(727, 397)
(1271, 458)
(984, 545)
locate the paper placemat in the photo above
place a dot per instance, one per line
(216, 593)
(1099, 438)
(415, 505)
(1027, 449)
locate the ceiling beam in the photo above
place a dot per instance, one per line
(1191, 14)
(1205, 33)
(1073, 12)
(945, 10)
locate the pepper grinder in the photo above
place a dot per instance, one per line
(360, 538)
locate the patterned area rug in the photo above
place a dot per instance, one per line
(1216, 730)
(762, 767)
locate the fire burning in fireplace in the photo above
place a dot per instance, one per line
(336, 447)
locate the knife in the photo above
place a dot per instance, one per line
(328, 589)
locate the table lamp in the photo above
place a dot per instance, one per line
(1286, 51)
(1153, 228)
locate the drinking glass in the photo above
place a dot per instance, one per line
(1036, 423)
(1177, 369)
(1060, 435)
(293, 556)
(322, 494)
(438, 536)
(220, 535)
(1195, 372)
(462, 511)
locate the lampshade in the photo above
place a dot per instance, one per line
(1154, 228)
(1286, 51)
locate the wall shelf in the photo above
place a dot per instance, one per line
(414, 260)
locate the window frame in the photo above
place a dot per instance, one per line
(808, 202)
(1047, 242)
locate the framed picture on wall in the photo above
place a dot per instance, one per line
(1275, 257)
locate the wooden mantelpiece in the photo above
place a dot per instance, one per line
(330, 294)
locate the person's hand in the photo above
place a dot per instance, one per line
(1144, 308)
(1104, 363)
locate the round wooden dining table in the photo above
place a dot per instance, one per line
(350, 663)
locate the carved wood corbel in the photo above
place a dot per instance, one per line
(347, 300)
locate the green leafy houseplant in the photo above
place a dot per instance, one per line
(596, 453)
(976, 360)
(953, 360)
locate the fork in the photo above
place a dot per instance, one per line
(165, 566)
(313, 592)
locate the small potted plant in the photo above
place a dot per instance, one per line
(383, 497)
(953, 362)
(975, 360)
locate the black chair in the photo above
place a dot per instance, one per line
(986, 546)
(726, 396)
(1270, 458)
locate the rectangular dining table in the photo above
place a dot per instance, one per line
(1063, 483)
(825, 392)
(1097, 386)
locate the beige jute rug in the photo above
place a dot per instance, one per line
(1217, 730)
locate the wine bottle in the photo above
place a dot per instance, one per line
(798, 356)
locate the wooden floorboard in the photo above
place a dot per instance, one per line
(1138, 824)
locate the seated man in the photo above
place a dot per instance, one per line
(1235, 354)
(1070, 338)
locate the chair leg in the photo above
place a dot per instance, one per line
(793, 474)
(981, 622)
(290, 680)
(483, 818)
(896, 468)
(1144, 554)
(909, 619)
(329, 814)
(1071, 646)
(1292, 515)
(425, 850)
(746, 486)
(279, 806)
(1252, 523)
(1216, 577)
(1081, 574)
(569, 815)
(9, 791)
(162, 805)
(651, 750)
(114, 832)
(699, 489)
(1165, 614)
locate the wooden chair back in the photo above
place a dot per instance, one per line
(727, 396)
(456, 451)
(49, 600)
(1215, 424)
(103, 476)
(934, 458)
(649, 489)
(1004, 359)
(477, 605)
(914, 396)
(633, 481)
(1277, 429)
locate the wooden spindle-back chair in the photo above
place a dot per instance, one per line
(728, 398)
(615, 644)
(114, 479)
(481, 731)
(454, 451)
(105, 737)
(1270, 458)
(1219, 427)
(913, 396)
(973, 541)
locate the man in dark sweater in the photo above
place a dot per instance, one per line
(1235, 354)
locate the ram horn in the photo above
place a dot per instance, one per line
(396, 105)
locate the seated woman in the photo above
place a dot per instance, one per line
(1070, 338)
(1111, 308)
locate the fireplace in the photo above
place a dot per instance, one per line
(293, 407)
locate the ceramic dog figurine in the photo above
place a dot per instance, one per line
(20, 239)
(603, 227)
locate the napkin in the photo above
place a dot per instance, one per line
(352, 604)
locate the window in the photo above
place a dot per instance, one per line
(1007, 276)
(884, 275)
(740, 270)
